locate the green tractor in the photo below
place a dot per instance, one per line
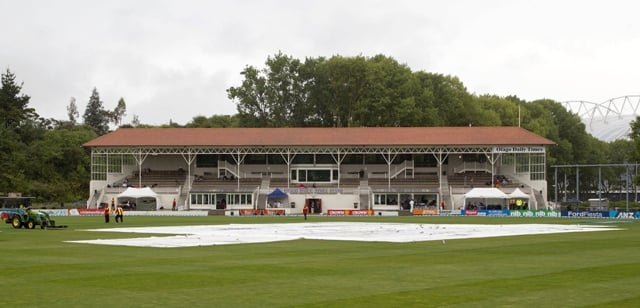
(29, 219)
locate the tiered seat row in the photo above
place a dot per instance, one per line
(470, 179)
(211, 182)
(162, 178)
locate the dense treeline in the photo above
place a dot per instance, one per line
(45, 158)
(40, 157)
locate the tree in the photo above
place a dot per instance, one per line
(119, 112)
(135, 121)
(72, 111)
(214, 121)
(497, 111)
(59, 166)
(13, 160)
(270, 97)
(634, 135)
(346, 84)
(18, 127)
(315, 112)
(387, 98)
(352, 91)
(250, 98)
(95, 116)
(426, 112)
(448, 95)
(14, 110)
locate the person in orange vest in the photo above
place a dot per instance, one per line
(305, 211)
(119, 214)
(107, 212)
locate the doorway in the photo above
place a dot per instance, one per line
(315, 205)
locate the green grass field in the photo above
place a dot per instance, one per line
(590, 269)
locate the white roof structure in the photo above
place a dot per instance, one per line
(136, 193)
(518, 194)
(609, 120)
(485, 193)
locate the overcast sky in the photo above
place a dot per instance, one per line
(173, 60)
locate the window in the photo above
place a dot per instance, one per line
(210, 199)
(206, 160)
(314, 175)
(101, 164)
(322, 175)
(385, 199)
(537, 166)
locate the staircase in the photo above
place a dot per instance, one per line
(446, 195)
(364, 194)
(262, 197)
(540, 204)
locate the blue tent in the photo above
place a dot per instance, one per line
(277, 193)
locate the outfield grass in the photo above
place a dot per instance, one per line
(595, 269)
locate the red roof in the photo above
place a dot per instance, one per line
(356, 136)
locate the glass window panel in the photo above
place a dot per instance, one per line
(318, 175)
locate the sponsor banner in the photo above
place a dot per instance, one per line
(166, 213)
(493, 213)
(519, 149)
(624, 215)
(58, 212)
(470, 212)
(450, 213)
(485, 212)
(260, 212)
(425, 212)
(100, 212)
(586, 214)
(387, 213)
(534, 213)
(350, 212)
(86, 212)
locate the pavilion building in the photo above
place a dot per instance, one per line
(382, 169)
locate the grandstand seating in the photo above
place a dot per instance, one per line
(349, 182)
(478, 179)
(419, 181)
(161, 178)
(469, 179)
(208, 182)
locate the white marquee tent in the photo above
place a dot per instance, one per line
(518, 194)
(487, 196)
(135, 194)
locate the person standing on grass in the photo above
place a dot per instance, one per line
(107, 212)
(173, 205)
(305, 211)
(119, 214)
